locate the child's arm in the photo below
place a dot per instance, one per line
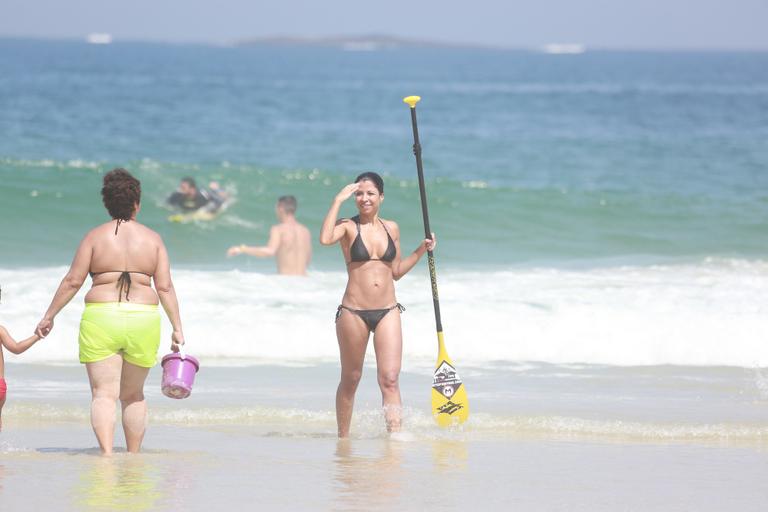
(17, 347)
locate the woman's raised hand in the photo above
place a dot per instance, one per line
(347, 192)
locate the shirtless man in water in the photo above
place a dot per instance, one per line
(289, 241)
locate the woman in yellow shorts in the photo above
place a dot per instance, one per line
(120, 327)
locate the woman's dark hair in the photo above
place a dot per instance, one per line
(121, 193)
(373, 178)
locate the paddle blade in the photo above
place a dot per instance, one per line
(450, 405)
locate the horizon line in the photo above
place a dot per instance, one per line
(385, 41)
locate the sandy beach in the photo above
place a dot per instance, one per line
(257, 434)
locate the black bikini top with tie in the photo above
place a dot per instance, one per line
(358, 251)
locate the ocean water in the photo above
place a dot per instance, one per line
(601, 262)
(529, 158)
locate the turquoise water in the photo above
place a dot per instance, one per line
(605, 208)
(598, 159)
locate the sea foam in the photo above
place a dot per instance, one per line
(707, 314)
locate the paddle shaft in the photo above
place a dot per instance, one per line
(425, 215)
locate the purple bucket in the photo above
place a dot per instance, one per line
(178, 375)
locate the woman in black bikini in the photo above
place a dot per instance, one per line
(371, 248)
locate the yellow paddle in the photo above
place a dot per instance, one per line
(450, 405)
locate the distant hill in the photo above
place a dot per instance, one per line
(354, 43)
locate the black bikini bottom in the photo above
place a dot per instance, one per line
(371, 317)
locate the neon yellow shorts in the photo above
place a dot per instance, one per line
(108, 328)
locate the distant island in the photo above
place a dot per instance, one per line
(355, 43)
(383, 42)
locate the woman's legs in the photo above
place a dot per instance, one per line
(110, 379)
(352, 334)
(104, 377)
(388, 343)
(134, 405)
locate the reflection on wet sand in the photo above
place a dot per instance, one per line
(122, 482)
(367, 476)
(449, 455)
(449, 458)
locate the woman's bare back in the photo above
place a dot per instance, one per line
(133, 249)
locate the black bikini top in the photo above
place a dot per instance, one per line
(123, 282)
(358, 252)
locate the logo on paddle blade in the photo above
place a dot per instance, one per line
(446, 381)
(449, 408)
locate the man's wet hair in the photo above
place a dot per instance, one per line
(189, 181)
(288, 204)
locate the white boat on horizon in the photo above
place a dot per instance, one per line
(564, 48)
(99, 38)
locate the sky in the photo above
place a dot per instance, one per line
(621, 24)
